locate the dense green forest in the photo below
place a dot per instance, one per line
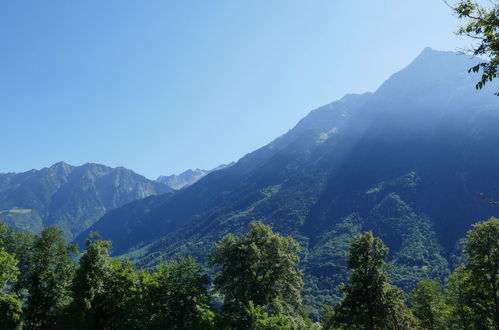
(47, 284)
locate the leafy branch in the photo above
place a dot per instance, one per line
(482, 25)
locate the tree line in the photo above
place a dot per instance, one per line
(46, 284)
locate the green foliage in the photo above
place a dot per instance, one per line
(459, 293)
(363, 304)
(176, 296)
(482, 253)
(429, 305)
(8, 268)
(419, 257)
(472, 289)
(45, 292)
(370, 301)
(101, 289)
(482, 26)
(10, 305)
(16, 243)
(10, 311)
(46, 278)
(117, 301)
(329, 319)
(400, 316)
(259, 319)
(259, 267)
(206, 317)
(89, 282)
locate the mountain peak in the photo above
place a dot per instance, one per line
(430, 55)
(431, 70)
(429, 51)
(60, 164)
(61, 168)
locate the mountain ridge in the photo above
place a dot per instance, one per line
(188, 177)
(304, 134)
(72, 197)
(404, 162)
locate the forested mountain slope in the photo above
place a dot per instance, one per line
(71, 197)
(405, 161)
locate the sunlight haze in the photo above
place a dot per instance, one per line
(163, 86)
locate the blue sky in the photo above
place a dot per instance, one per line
(163, 86)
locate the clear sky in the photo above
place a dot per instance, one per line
(163, 86)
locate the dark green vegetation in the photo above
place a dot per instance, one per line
(404, 162)
(72, 198)
(257, 286)
(482, 26)
(43, 288)
(257, 270)
(370, 301)
(430, 306)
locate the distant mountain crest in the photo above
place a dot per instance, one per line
(188, 177)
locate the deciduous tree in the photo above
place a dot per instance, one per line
(46, 277)
(10, 305)
(176, 296)
(482, 254)
(429, 306)
(258, 268)
(370, 301)
(102, 289)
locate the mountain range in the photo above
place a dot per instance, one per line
(71, 197)
(407, 162)
(75, 197)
